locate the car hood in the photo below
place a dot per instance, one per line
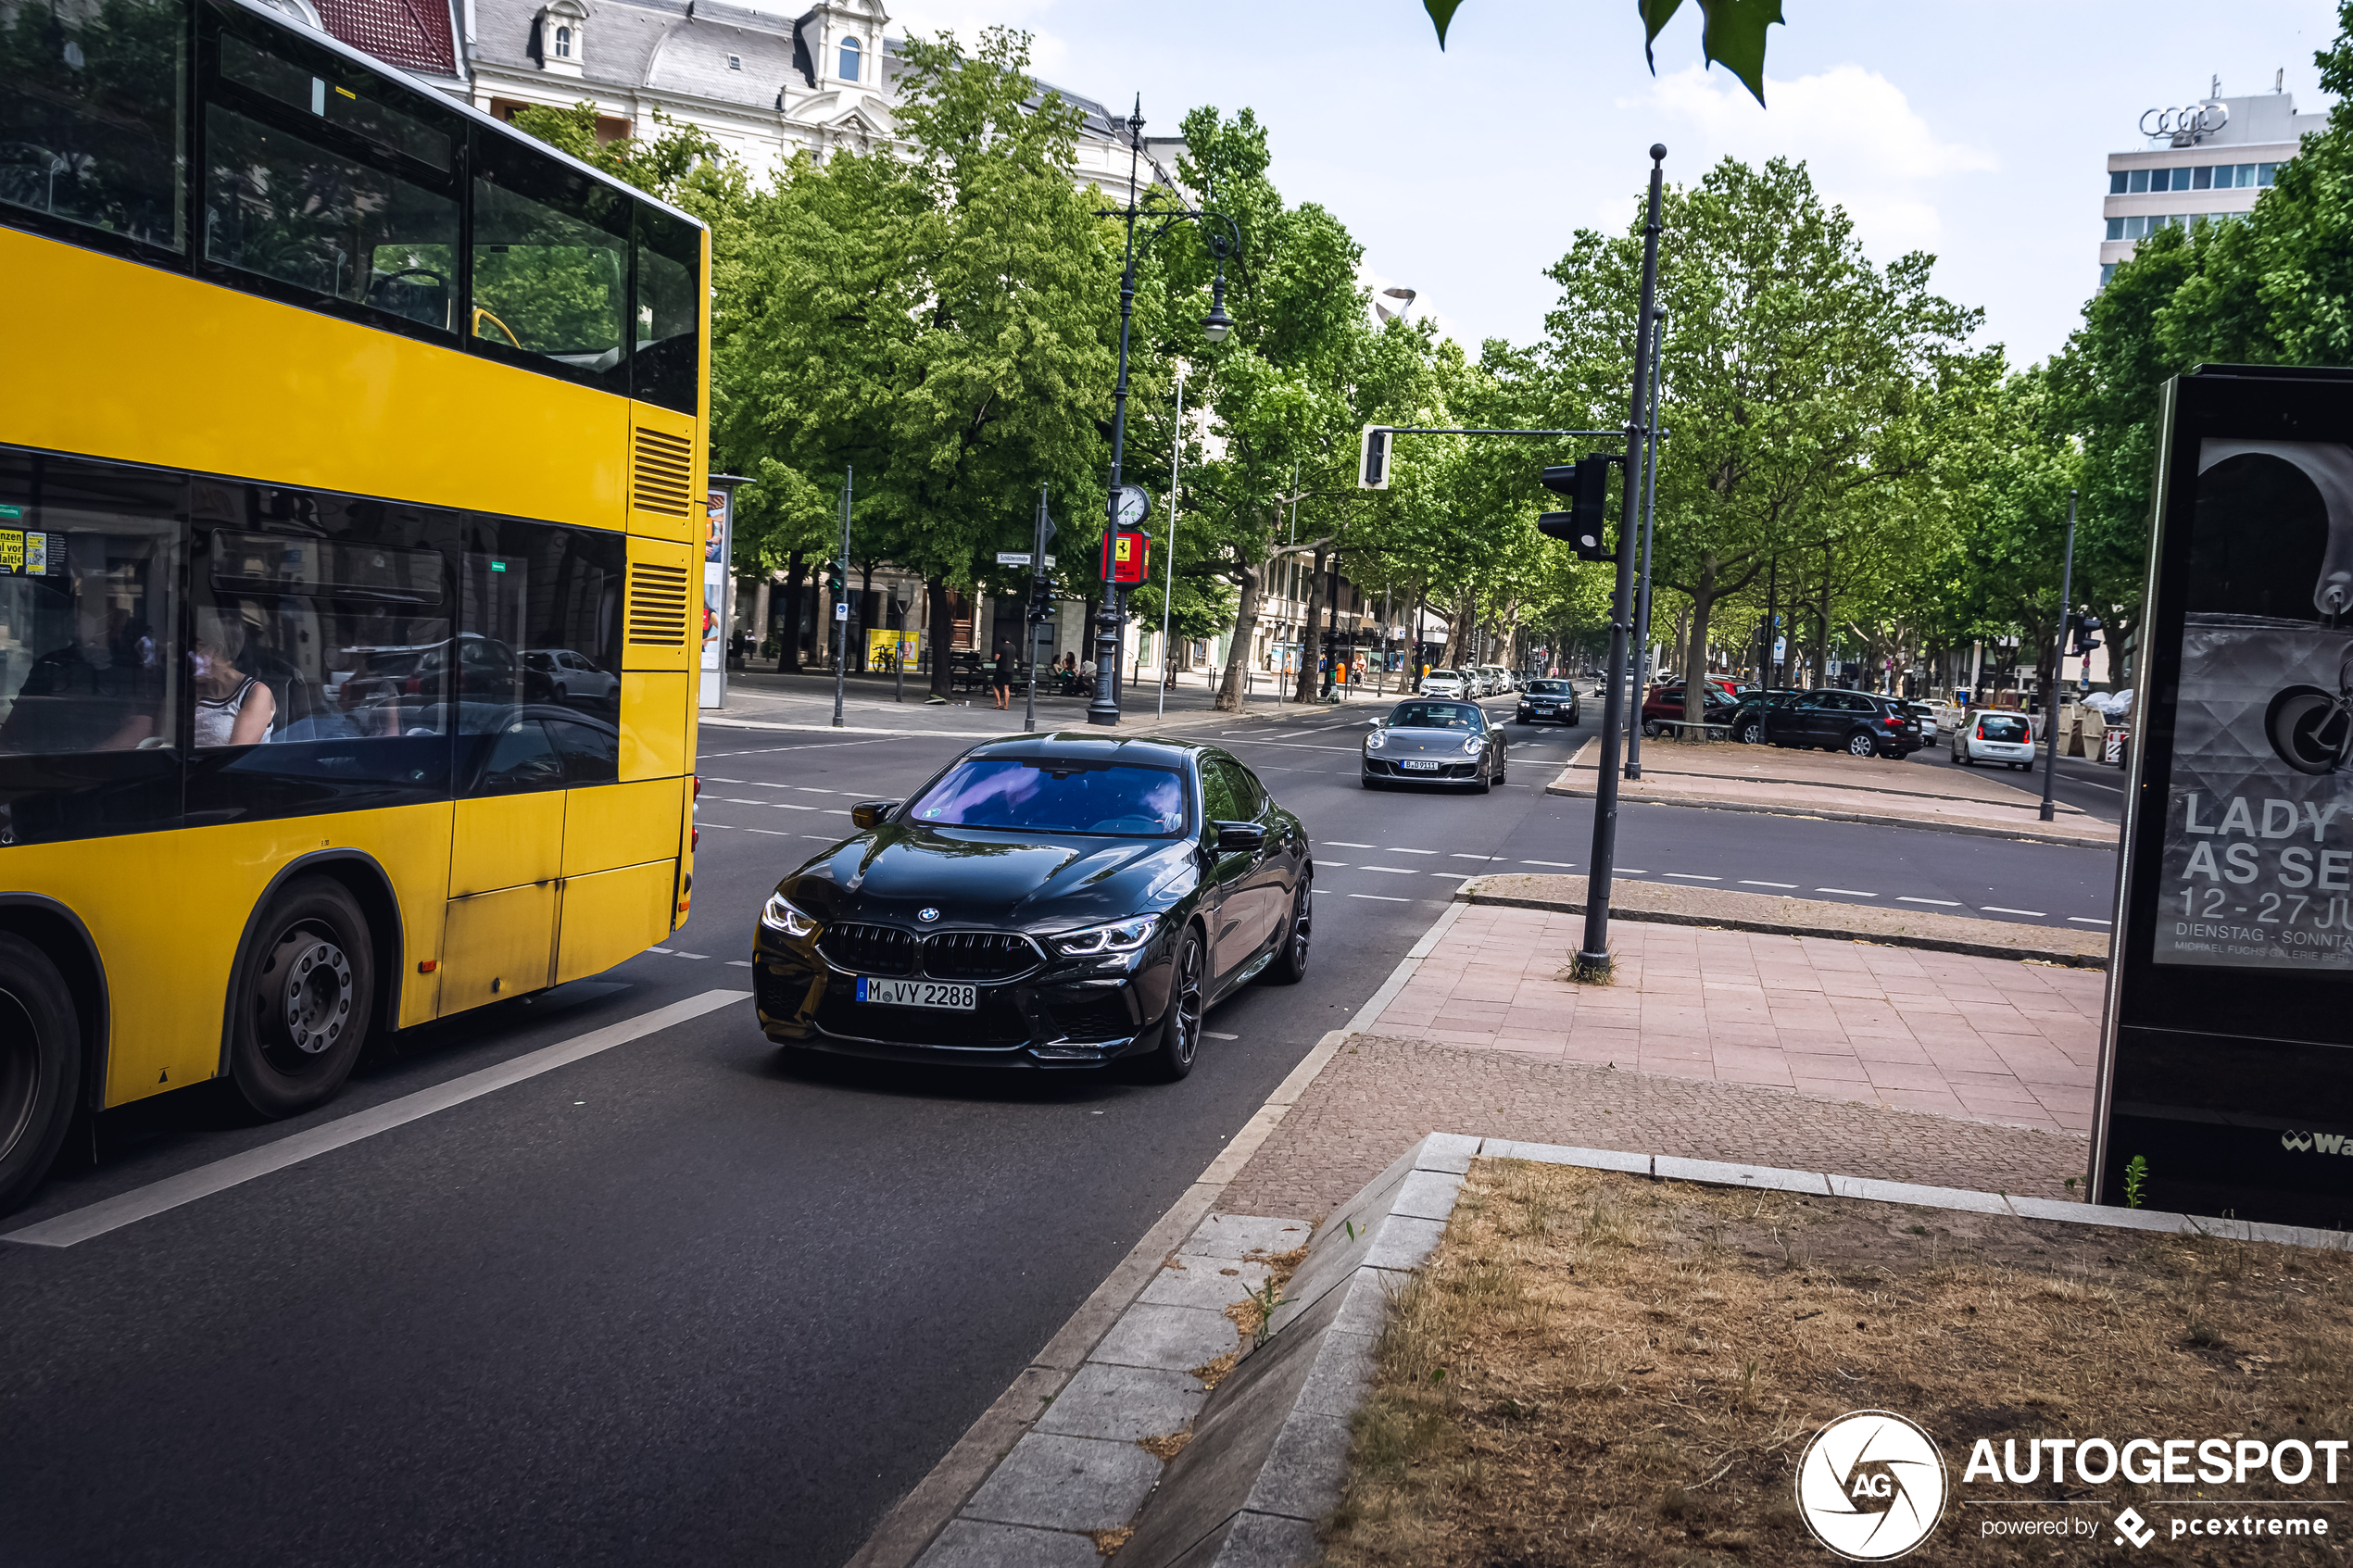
(992, 878)
(1397, 739)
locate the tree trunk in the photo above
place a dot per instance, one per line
(1823, 643)
(788, 645)
(1703, 603)
(941, 614)
(1311, 635)
(1458, 635)
(1229, 690)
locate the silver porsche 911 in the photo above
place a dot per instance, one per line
(1435, 741)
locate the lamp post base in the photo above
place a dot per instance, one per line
(1591, 969)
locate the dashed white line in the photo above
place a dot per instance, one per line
(1383, 898)
(738, 963)
(1460, 855)
(1562, 864)
(1401, 850)
(1997, 910)
(1216, 1035)
(1344, 844)
(1342, 864)
(1847, 891)
(1399, 871)
(1695, 877)
(1746, 882)
(2088, 919)
(1942, 903)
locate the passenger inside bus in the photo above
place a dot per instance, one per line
(232, 708)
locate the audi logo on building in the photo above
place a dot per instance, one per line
(2190, 119)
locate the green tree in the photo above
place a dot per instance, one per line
(1733, 34)
(1814, 398)
(940, 321)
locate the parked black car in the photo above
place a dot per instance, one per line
(1434, 741)
(1861, 724)
(1057, 900)
(1550, 702)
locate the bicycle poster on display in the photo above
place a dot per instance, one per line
(2227, 1057)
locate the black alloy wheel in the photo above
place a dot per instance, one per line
(1862, 743)
(1180, 1030)
(40, 1063)
(301, 1004)
(1744, 731)
(1291, 959)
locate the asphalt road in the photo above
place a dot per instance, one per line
(678, 1301)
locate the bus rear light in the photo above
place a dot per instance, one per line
(693, 841)
(697, 787)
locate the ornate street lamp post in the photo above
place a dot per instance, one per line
(1225, 239)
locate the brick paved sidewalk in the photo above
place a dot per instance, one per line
(1992, 1039)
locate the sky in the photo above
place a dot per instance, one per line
(1978, 132)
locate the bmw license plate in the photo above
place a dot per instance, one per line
(1418, 766)
(918, 993)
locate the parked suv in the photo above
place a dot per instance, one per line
(1860, 723)
(1664, 706)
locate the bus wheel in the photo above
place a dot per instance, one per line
(40, 1062)
(298, 1009)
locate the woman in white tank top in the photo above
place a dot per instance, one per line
(232, 709)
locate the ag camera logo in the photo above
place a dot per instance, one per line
(1872, 1485)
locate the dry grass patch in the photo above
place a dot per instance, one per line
(1596, 1368)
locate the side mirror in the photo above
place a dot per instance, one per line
(1241, 838)
(869, 814)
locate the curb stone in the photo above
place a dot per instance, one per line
(1269, 1452)
(1778, 915)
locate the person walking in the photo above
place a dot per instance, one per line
(1003, 678)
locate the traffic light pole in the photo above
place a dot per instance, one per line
(1037, 609)
(841, 622)
(2058, 665)
(1592, 960)
(1643, 593)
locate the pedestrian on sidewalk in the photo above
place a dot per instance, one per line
(1004, 676)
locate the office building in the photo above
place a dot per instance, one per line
(2209, 159)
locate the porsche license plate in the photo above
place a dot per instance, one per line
(1416, 765)
(919, 994)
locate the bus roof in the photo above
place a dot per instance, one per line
(323, 38)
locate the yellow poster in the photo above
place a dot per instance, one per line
(11, 549)
(880, 648)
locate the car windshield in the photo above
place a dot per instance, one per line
(1435, 716)
(1053, 794)
(1558, 688)
(1443, 675)
(1996, 726)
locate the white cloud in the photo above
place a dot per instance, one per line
(1868, 150)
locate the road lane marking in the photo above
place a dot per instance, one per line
(1381, 896)
(1213, 1035)
(1997, 910)
(1395, 870)
(156, 1197)
(2088, 919)
(1401, 850)
(1848, 892)
(1942, 903)
(1562, 864)
(1344, 844)
(1460, 855)
(1695, 877)
(1746, 882)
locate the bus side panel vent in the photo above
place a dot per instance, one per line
(662, 476)
(657, 603)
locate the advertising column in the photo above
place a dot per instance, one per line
(2227, 1063)
(718, 589)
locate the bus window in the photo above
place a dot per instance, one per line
(539, 632)
(86, 612)
(91, 102)
(668, 369)
(550, 266)
(316, 621)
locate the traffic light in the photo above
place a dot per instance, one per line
(837, 577)
(1042, 598)
(2086, 635)
(1586, 484)
(1372, 467)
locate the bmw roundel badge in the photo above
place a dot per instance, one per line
(926, 914)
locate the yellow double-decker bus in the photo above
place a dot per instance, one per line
(351, 491)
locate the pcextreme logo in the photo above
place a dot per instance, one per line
(1872, 1485)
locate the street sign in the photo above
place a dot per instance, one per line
(841, 610)
(1126, 556)
(2225, 1084)
(1130, 506)
(1012, 557)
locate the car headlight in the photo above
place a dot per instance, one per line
(1473, 744)
(1375, 741)
(779, 914)
(1122, 937)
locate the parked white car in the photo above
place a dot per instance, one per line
(1993, 735)
(1499, 680)
(1446, 683)
(1927, 713)
(573, 677)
